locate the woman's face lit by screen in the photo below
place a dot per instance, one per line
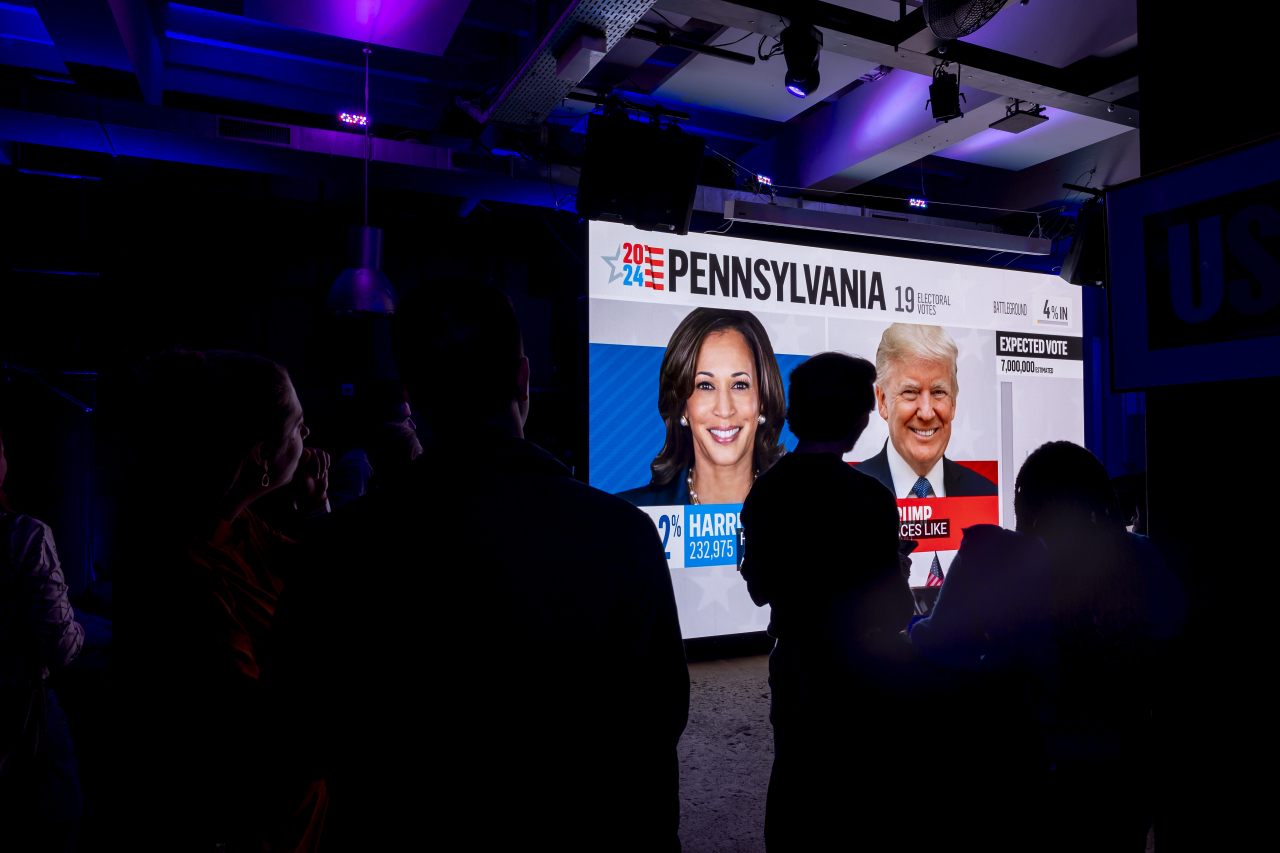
(723, 409)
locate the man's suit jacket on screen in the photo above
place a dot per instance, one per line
(957, 480)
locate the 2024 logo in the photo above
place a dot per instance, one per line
(637, 265)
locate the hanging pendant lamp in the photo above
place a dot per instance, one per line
(363, 288)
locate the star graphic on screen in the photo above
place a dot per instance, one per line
(614, 275)
(715, 587)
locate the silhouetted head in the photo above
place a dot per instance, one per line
(720, 375)
(1099, 598)
(1062, 485)
(831, 398)
(460, 354)
(216, 420)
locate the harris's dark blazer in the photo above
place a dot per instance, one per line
(957, 480)
(675, 493)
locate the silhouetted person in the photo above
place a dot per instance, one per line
(1080, 619)
(821, 548)
(992, 632)
(540, 700)
(217, 431)
(40, 801)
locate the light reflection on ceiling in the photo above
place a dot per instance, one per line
(425, 27)
(1063, 132)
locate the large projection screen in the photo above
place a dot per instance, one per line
(1020, 380)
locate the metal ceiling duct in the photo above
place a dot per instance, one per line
(530, 95)
(362, 288)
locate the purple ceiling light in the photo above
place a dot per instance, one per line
(424, 26)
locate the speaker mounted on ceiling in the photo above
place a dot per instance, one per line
(639, 173)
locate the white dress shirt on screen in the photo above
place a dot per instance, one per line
(904, 477)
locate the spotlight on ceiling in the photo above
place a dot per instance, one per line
(802, 48)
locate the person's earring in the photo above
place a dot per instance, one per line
(761, 419)
(266, 479)
(684, 421)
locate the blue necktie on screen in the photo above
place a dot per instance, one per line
(921, 488)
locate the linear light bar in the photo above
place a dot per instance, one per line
(892, 229)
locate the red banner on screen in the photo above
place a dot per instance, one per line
(938, 523)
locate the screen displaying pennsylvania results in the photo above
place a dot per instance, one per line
(728, 319)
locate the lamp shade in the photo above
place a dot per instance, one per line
(362, 287)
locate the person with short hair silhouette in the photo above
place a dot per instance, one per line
(1070, 611)
(821, 548)
(541, 702)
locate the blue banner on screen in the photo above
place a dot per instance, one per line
(711, 535)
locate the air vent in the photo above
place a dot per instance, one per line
(894, 218)
(481, 163)
(254, 131)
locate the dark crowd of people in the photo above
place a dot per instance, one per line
(456, 639)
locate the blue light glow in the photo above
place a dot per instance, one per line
(58, 175)
(764, 180)
(796, 90)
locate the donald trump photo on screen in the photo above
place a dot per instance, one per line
(916, 392)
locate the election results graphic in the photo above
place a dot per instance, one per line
(1018, 382)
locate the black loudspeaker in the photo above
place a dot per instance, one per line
(1086, 261)
(639, 173)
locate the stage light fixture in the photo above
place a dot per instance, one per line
(945, 95)
(802, 48)
(764, 180)
(920, 203)
(352, 118)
